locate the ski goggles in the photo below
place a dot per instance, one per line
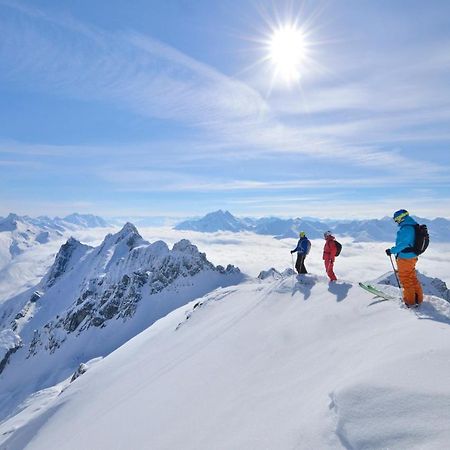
(400, 217)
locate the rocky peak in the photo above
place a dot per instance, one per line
(272, 273)
(63, 258)
(117, 282)
(220, 213)
(130, 235)
(10, 342)
(10, 222)
(185, 246)
(128, 228)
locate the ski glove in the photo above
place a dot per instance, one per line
(388, 252)
(292, 251)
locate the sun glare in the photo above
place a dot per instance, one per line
(288, 52)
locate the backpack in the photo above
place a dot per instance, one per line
(338, 247)
(421, 240)
(308, 246)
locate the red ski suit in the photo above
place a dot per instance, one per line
(329, 253)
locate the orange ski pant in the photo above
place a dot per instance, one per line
(412, 289)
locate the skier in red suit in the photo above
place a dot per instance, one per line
(329, 254)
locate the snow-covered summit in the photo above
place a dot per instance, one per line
(68, 256)
(9, 223)
(214, 221)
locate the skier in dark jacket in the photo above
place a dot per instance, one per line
(302, 249)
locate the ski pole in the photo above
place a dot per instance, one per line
(395, 271)
(293, 271)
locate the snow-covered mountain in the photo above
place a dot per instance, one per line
(289, 228)
(276, 362)
(70, 222)
(272, 226)
(371, 230)
(19, 233)
(28, 245)
(83, 220)
(215, 221)
(91, 301)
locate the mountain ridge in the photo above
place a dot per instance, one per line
(366, 230)
(93, 299)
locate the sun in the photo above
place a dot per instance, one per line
(288, 52)
(288, 45)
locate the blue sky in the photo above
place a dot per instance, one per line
(172, 107)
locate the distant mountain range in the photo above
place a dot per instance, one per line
(71, 222)
(19, 233)
(28, 245)
(91, 301)
(370, 230)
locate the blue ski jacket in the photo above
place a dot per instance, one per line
(405, 238)
(303, 246)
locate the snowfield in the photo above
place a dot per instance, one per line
(279, 363)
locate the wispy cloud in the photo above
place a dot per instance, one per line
(143, 180)
(133, 70)
(138, 73)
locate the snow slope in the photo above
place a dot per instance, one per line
(277, 363)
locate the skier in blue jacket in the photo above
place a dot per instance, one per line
(302, 249)
(406, 258)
